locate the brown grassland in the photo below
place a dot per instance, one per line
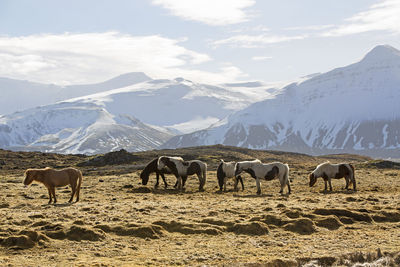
(119, 222)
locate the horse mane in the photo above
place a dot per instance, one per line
(150, 167)
(324, 164)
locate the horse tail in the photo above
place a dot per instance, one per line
(286, 175)
(353, 175)
(204, 174)
(220, 176)
(78, 188)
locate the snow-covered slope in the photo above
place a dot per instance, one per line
(105, 119)
(180, 105)
(69, 127)
(17, 95)
(351, 109)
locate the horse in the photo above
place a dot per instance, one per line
(270, 171)
(336, 171)
(152, 167)
(51, 178)
(226, 170)
(181, 169)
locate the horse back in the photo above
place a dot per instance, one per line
(343, 170)
(194, 168)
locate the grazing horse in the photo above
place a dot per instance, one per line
(152, 167)
(328, 171)
(181, 169)
(270, 171)
(56, 178)
(227, 170)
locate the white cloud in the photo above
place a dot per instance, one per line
(261, 58)
(211, 12)
(384, 16)
(310, 28)
(93, 57)
(252, 41)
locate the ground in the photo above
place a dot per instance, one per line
(120, 222)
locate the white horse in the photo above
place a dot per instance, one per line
(328, 171)
(227, 170)
(270, 171)
(181, 169)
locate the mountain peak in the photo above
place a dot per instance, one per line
(382, 53)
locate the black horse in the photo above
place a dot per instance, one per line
(152, 167)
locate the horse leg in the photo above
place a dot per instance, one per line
(282, 185)
(354, 182)
(326, 185)
(157, 180)
(241, 181)
(48, 189)
(258, 186)
(202, 181)
(288, 186)
(165, 182)
(53, 191)
(347, 182)
(330, 184)
(184, 179)
(73, 189)
(225, 178)
(236, 183)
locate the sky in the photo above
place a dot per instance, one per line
(208, 41)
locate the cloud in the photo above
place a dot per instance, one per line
(261, 58)
(311, 28)
(211, 12)
(252, 41)
(93, 57)
(384, 16)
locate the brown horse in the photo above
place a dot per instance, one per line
(56, 178)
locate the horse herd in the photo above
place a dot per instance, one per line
(181, 169)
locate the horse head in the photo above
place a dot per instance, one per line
(313, 179)
(30, 176)
(145, 177)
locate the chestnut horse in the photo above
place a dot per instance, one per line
(56, 178)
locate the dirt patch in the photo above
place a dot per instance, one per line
(302, 226)
(24, 240)
(331, 223)
(188, 228)
(142, 189)
(385, 216)
(78, 233)
(217, 222)
(152, 232)
(346, 213)
(251, 228)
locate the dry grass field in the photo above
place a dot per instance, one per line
(119, 222)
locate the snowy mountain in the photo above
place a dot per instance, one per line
(353, 109)
(130, 111)
(69, 127)
(179, 105)
(14, 92)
